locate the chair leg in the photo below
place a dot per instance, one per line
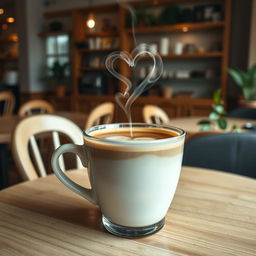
(4, 174)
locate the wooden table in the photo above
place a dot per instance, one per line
(7, 126)
(213, 213)
(189, 124)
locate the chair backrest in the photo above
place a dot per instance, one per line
(101, 114)
(154, 114)
(7, 100)
(35, 106)
(24, 139)
(246, 113)
(230, 152)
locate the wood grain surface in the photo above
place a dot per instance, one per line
(213, 213)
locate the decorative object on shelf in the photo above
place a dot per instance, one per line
(190, 48)
(164, 46)
(178, 48)
(59, 76)
(11, 77)
(143, 18)
(90, 22)
(182, 74)
(170, 15)
(153, 48)
(247, 81)
(207, 13)
(55, 26)
(167, 92)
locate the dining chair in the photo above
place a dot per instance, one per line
(154, 114)
(101, 114)
(7, 101)
(230, 152)
(244, 113)
(35, 107)
(25, 149)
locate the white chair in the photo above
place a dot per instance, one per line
(35, 106)
(102, 114)
(8, 101)
(154, 114)
(25, 136)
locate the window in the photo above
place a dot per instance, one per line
(57, 49)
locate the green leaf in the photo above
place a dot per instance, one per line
(237, 75)
(214, 116)
(252, 70)
(219, 109)
(204, 122)
(217, 96)
(235, 128)
(222, 123)
(206, 127)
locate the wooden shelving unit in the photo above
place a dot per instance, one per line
(102, 34)
(178, 27)
(98, 50)
(175, 107)
(191, 55)
(8, 58)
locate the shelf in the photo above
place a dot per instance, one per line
(93, 69)
(12, 38)
(98, 50)
(191, 79)
(178, 27)
(103, 34)
(190, 55)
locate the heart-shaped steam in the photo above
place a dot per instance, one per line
(131, 60)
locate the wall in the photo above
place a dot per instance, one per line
(31, 61)
(239, 44)
(252, 51)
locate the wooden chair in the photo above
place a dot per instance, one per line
(35, 107)
(154, 114)
(8, 101)
(25, 148)
(102, 114)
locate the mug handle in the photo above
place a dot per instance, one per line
(80, 151)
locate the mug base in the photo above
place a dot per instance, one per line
(131, 232)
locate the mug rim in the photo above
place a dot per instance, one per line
(181, 134)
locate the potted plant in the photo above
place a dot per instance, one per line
(247, 81)
(59, 76)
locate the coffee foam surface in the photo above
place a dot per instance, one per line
(143, 139)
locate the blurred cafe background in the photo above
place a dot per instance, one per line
(55, 51)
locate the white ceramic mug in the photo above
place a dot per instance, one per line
(132, 180)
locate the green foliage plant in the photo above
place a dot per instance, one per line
(246, 80)
(217, 116)
(59, 72)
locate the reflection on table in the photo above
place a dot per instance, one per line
(213, 213)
